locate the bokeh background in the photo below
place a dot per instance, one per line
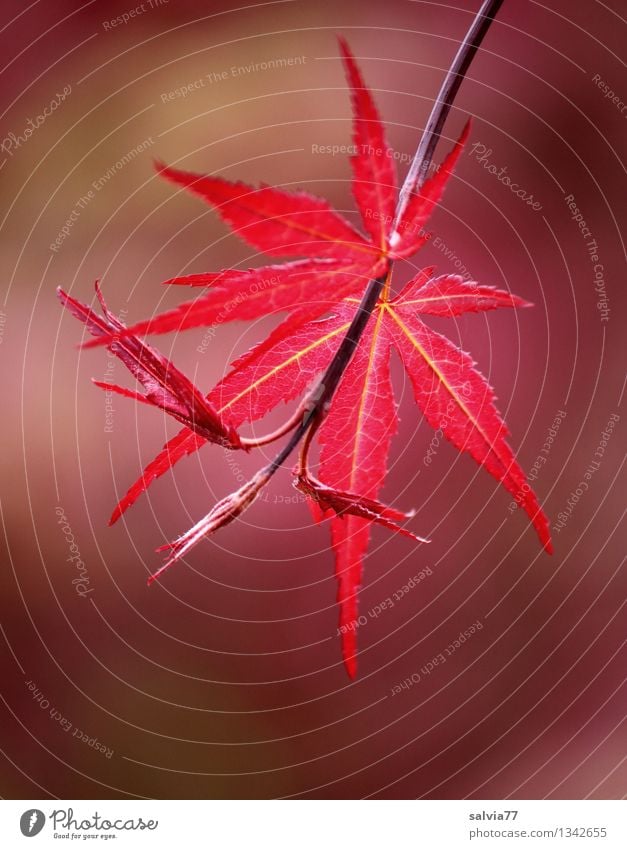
(225, 680)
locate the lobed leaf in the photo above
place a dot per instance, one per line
(374, 172)
(355, 439)
(451, 295)
(276, 222)
(307, 288)
(456, 398)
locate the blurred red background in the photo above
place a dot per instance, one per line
(226, 680)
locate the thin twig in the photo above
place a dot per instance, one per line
(266, 439)
(325, 389)
(442, 106)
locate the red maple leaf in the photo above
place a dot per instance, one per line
(321, 295)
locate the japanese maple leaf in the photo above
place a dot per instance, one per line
(320, 293)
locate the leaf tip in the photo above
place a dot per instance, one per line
(344, 48)
(64, 297)
(350, 665)
(117, 513)
(156, 575)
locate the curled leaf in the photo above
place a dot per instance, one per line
(165, 386)
(350, 504)
(224, 512)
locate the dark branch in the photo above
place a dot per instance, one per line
(322, 395)
(442, 106)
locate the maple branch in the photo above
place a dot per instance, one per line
(442, 106)
(323, 393)
(313, 409)
(304, 448)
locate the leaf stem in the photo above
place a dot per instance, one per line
(290, 424)
(321, 396)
